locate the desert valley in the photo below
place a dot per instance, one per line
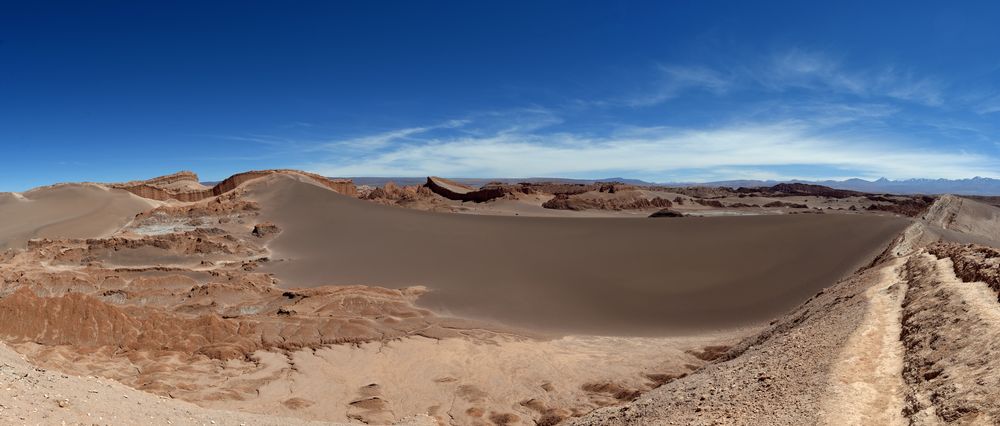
(500, 213)
(286, 297)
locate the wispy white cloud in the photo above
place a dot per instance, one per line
(268, 140)
(674, 80)
(379, 140)
(513, 120)
(808, 115)
(796, 69)
(821, 72)
(989, 106)
(654, 152)
(920, 90)
(383, 139)
(809, 70)
(833, 113)
(298, 125)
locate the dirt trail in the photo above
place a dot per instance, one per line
(867, 382)
(916, 356)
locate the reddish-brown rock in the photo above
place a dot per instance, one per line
(456, 191)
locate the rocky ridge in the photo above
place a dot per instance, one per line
(161, 189)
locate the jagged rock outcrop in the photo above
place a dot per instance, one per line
(392, 192)
(347, 314)
(221, 206)
(456, 191)
(628, 202)
(262, 230)
(84, 321)
(556, 188)
(971, 262)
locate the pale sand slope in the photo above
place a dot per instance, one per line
(67, 210)
(595, 276)
(30, 395)
(964, 220)
(466, 381)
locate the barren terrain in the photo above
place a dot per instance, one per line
(279, 297)
(598, 275)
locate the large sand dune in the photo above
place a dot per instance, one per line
(605, 276)
(69, 210)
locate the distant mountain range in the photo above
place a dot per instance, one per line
(972, 186)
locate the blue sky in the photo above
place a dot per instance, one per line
(663, 91)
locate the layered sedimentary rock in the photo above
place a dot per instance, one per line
(455, 191)
(182, 180)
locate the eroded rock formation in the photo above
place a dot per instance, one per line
(626, 202)
(162, 188)
(456, 191)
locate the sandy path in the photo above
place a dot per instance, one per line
(867, 383)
